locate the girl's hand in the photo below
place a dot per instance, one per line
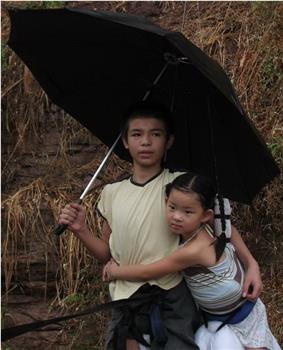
(253, 283)
(109, 269)
(73, 215)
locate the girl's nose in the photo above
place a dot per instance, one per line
(177, 216)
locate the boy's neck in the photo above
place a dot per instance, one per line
(143, 174)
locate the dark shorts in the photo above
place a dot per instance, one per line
(179, 316)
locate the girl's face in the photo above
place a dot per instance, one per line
(185, 213)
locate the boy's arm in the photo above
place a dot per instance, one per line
(177, 261)
(98, 247)
(73, 215)
(253, 283)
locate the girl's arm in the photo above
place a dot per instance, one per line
(253, 283)
(177, 261)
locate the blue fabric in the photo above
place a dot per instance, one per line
(233, 317)
(157, 325)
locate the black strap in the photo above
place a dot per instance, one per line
(128, 329)
(140, 318)
(218, 216)
(12, 332)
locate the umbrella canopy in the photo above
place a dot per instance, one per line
(95, 65)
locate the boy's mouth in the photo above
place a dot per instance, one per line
(145, 153)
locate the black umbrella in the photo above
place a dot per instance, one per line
(96, 64)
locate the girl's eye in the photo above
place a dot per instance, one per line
(156, 134)
(171, 207)
(135, 134)
(189, 212)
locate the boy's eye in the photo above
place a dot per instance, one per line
(157, 134)
(171, 207)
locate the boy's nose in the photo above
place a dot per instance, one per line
(146, 140)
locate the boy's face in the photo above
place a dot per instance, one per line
(147, 141)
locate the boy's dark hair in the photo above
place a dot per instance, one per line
(148, 110)
(204, 188)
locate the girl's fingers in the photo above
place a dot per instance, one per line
(105, 276)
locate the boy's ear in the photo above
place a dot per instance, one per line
(125, 143)
(170, 141)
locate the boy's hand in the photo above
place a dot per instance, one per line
(108, 273)
(253, 283)
(73, 215)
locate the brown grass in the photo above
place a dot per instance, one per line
(245, 38)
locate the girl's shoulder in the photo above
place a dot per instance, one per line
(195, 249)
(202, 249)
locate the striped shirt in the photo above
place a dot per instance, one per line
(218, 289)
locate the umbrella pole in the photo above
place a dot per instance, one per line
(114, 144)
(99, 169)
(156, 81)
(59, 229)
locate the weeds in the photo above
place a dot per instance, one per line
(4, 58)
(270, 71)
(276, 148)
(245, 39)
(44, 4)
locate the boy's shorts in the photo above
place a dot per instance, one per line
(179, 317)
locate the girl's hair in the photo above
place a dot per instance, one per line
(205, 190)
(148, 110)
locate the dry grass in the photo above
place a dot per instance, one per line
(245, 39)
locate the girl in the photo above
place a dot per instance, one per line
(210, 267)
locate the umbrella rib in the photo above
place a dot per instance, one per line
(99, 168)
(156, 80)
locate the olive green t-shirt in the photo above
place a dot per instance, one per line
(140, 234)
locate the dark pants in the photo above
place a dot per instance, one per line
(179, 315)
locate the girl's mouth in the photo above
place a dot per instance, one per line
(175, 226)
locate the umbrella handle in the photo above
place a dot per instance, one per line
(60, 228)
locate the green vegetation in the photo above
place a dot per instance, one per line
(276, 148)
(271, 71)
(73, 299)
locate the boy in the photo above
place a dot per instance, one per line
(135, 231)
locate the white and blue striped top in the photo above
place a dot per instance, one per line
(218, 289)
